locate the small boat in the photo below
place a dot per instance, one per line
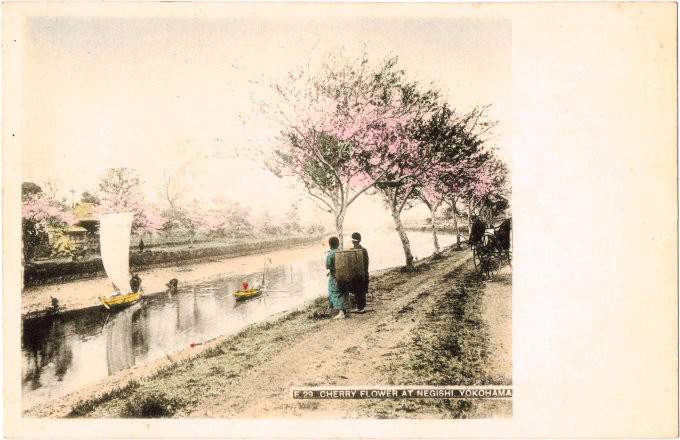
(247, 293)
(114, 240)
(250, 293)
(118, 301)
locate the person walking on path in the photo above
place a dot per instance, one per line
(339, 298)
(141, 246)
(360, 288)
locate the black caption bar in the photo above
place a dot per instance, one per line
(404, 393)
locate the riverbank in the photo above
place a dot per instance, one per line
(443, 226)
(81, 294)
(436, 324)
(64, 270)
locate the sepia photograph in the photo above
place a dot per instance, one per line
(289, 212)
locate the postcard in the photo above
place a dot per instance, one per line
(332, 220)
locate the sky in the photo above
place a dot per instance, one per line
(169, 95)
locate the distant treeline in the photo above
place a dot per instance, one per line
(45, 273)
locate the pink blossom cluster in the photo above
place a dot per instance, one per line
(42, 212)
(377, 137)
(146, 218)
(488, 178)
(208, 221)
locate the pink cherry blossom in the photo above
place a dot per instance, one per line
(146, 218)
(42, 212)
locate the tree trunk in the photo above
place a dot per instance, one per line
(339, 220)
(469, 203)
(455, 222)
(433, 212)
(402, 235)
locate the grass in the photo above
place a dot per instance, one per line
(84, 407)
(152, 406)
(449, 347)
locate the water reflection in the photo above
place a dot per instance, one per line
(63, 352)
(45, 345)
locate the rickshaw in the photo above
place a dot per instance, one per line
(492, 249)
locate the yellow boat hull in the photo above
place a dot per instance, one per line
(118, 301)
(248, 293)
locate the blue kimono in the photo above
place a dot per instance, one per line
(339, 299)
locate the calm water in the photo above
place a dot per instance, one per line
(62, 353)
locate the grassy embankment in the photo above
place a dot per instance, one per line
(448, 345)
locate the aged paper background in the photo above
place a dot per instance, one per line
(594, 160)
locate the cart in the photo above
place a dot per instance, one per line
(492, 250)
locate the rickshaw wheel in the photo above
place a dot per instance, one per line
(476, 260)
(488, 257)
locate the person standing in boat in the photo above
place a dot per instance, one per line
(135, 283)
(338, 297)
(360, 288)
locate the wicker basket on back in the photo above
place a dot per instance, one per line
(349, 266)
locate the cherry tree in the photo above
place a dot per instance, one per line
(343, 129)
(481, 184)
(459, 142)
(231, 216)
(196, 218)
(401, 184)
(223, 216)
(486, 192)
(38, 217)
(120, 191)
(438, 142)
(209, 221)
(423, 166)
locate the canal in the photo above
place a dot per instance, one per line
(64, 352)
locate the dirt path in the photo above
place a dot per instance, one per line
(351, 352)
(497, 312)
(345, 352)
(435, 325)
(84, 293)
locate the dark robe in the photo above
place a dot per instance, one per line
(135, 283)
(477, 231)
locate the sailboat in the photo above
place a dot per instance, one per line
(114, 241)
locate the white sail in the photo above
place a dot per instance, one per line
(114, 241)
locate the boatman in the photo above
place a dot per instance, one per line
(135, 283)
(360, 288)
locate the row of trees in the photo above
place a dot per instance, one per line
(120, 190)
(354, 127)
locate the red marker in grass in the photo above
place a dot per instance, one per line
(198, 343)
